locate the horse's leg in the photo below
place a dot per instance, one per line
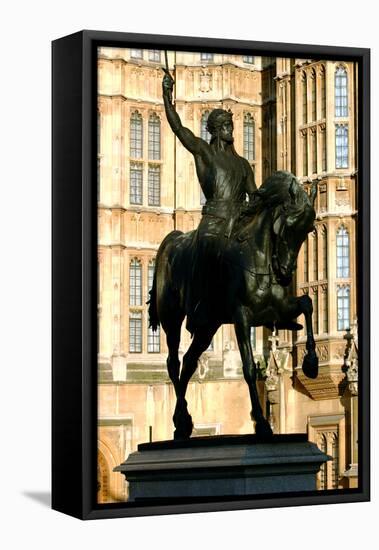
(242, 328)
(172, 320)
(172, 331)
(291, 308)
(310, 361)
(182, 419)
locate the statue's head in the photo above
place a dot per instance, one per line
(220, 125)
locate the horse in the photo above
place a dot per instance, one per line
(252, 278)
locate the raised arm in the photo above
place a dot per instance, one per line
(194, 144)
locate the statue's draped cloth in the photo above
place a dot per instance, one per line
(209, 243)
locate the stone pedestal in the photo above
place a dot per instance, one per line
(222, 466)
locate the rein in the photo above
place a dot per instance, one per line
(270, 273)
(242, 238)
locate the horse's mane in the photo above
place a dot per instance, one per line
(281, 188)
(280, 193)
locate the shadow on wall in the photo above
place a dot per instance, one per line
(42, 497)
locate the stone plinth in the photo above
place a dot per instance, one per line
(222, 466)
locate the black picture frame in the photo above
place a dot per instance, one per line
(74, 272)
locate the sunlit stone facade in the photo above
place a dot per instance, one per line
(291, 114)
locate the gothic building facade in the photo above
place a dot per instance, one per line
(289, 114)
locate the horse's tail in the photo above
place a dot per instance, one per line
(153, 300)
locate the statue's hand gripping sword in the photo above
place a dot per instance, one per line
(167, 72)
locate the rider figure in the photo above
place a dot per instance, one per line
(227, 180)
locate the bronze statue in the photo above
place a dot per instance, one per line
(236, 267)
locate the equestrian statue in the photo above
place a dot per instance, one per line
(236, 267)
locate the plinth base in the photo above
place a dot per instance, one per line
(222, 466)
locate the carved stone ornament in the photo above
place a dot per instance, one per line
(343, 201)
(189, 112)
(273, 370)
(323, 352)
(339, 352)
(272, 379)
(205, 82)
(326, 386)
(351, 360)
(203, 366)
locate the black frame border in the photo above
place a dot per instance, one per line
(74, 272)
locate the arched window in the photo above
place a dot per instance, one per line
(154, 185)
(253, 337)
(323, 148)
(335, 463)
(136, 54)
(249, 137)
(103, 494)
(305, 153)
(204, 134)
(324, 241)
(315, 256)
(304, 96)
(313, 95)
(343, 253)
(153, 338)
(322, 443)
(155, 55)
(323, 92)
(325, 313)
(150, 275)
(343, 307)
(135, 190)
(136, 135)
(135, 283)
(342, 146)
(315, 310)
(154, 137)
(206, 56)
(314, 150)
(135, 332)
(305, 248)
(340, 81)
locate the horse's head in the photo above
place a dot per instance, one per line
(292, 221)
(292, 215)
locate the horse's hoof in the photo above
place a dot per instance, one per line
(183, 429)
(310, 365)
(179, 435)
(183, 424)
(263, 429)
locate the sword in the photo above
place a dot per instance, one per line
(167, 71)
